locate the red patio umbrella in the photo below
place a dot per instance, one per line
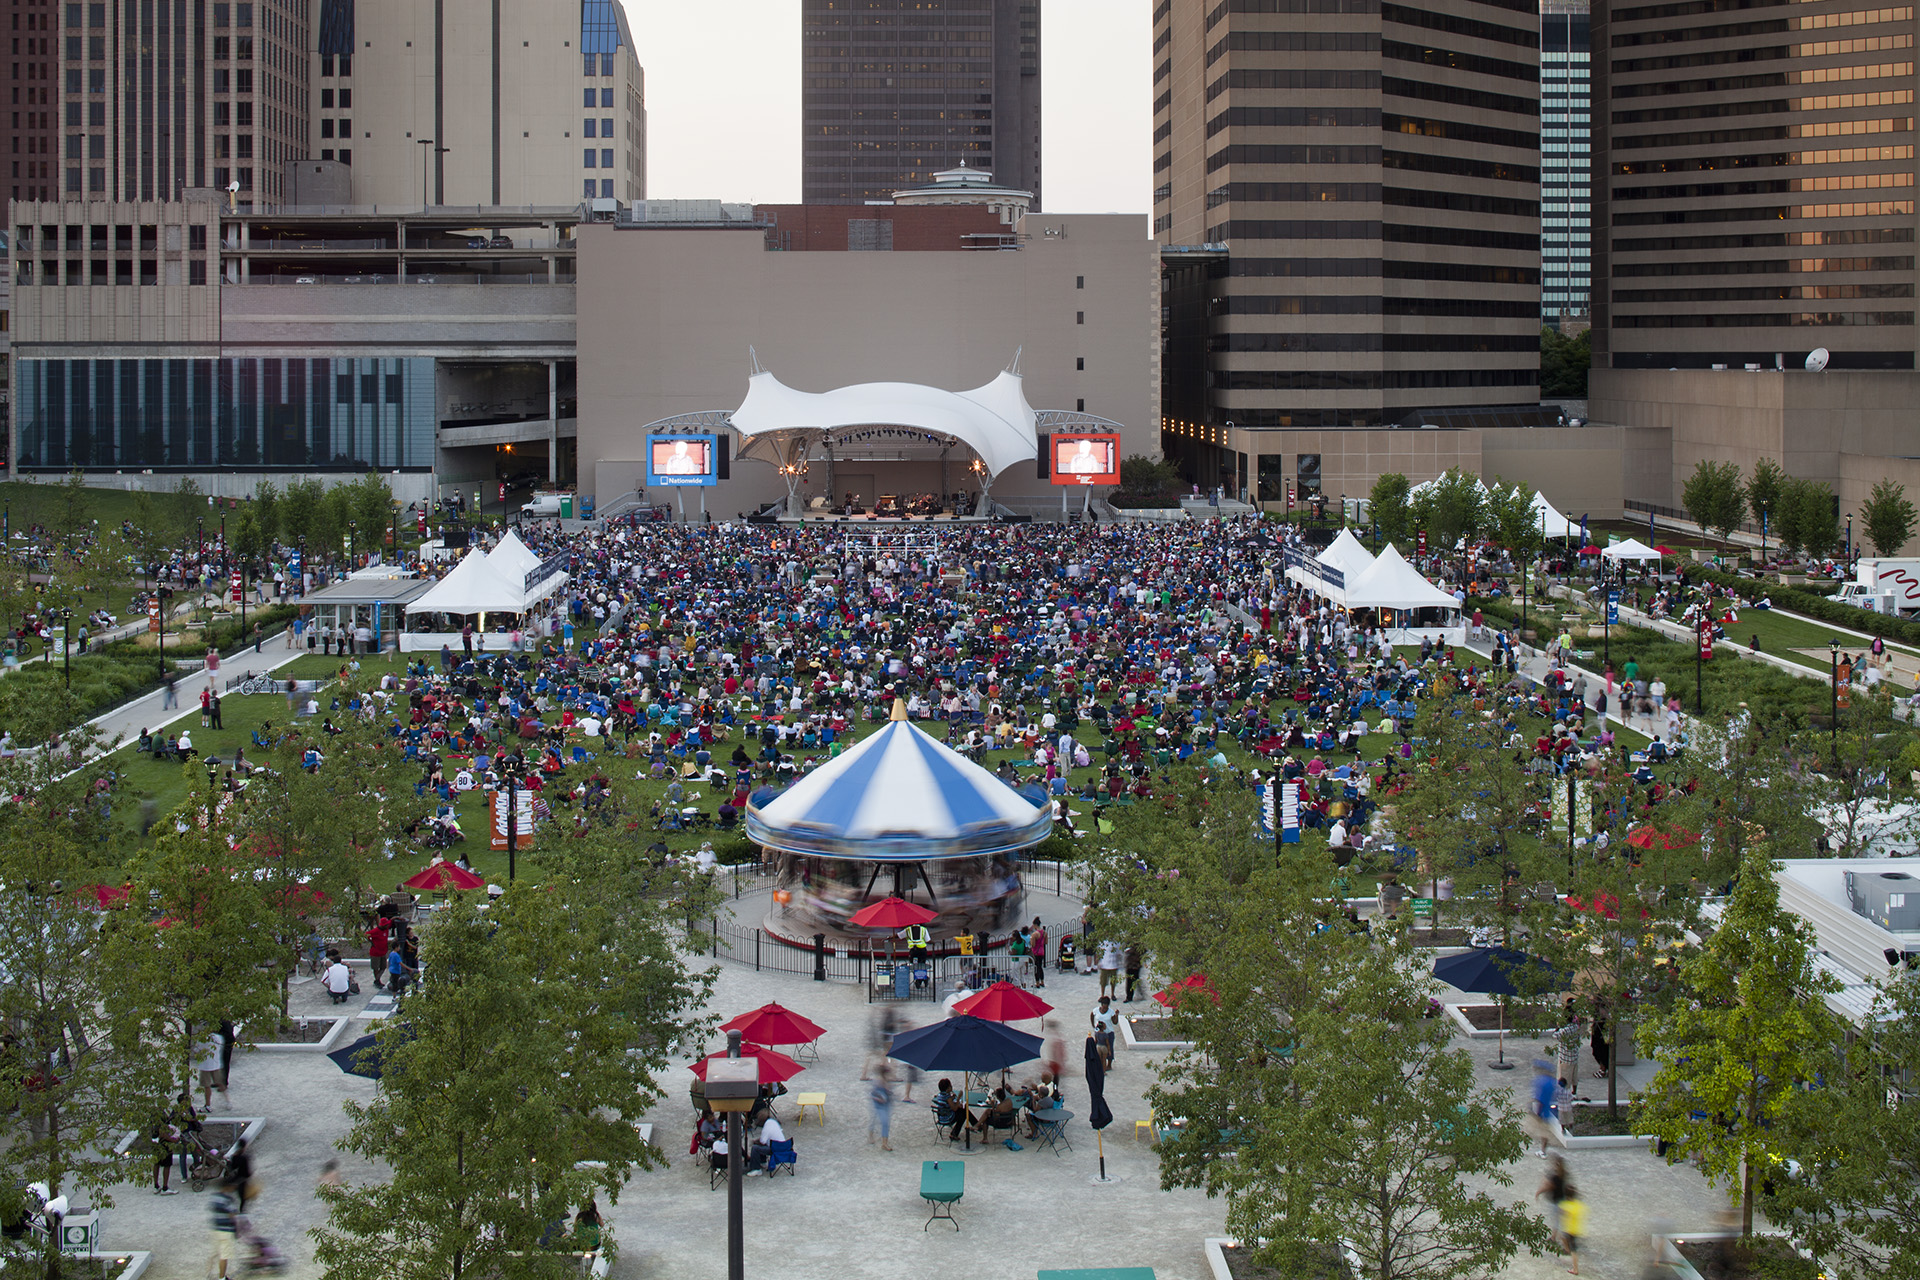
(106, 895)
(300, 897)
(775, 1024)
(1666, 551)
(444, 875)
(891, 913)
(1192, 982)
(775, 1067)
(1590, 550)
(1004, 1002)
(1643, 838)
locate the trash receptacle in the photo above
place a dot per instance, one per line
(566, 506)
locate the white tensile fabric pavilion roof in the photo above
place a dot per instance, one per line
(1555, 525)
(995, 421)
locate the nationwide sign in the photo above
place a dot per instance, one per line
(1309, 566)
(544, 570)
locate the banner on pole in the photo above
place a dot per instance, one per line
(522, 819)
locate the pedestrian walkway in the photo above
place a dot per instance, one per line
(125, 721)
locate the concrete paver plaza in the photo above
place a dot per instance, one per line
(853, 1211)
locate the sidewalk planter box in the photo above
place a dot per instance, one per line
(1685, 1270)
(233, 1128)
(1215, 1248)
(1134, 1041)
(324, 1044)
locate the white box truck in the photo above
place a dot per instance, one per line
(1883, 585)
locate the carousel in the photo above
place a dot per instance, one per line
(900, 815)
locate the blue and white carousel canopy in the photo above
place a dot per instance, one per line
(900, 796)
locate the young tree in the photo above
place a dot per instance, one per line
(1714, 497)
(370, 502)
(1856, 760)
(1764, 491)
(1748, 1031)
(299, 508)
(538, 1047)
(1816, 522)
(1564, 363)
(1888, 516)
(1388, 500)
(1511, 520)
(205, 960)
(266, 508)
(1853, 1202)
(67, 1093)
(1352, 1121)
(1453, 507)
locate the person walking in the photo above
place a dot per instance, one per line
(213, 710)
(1106, 1024)
(1109, 966)
(1037, 944)
(208, 1065)
(1573, 1224)
(1553, 1186)
(169, 697)
(1131, 963)
(225, 1205)
(880, 1095)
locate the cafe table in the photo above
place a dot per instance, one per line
(942, 1184)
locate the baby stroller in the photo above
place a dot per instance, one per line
(1065, 961)
(263, 1257)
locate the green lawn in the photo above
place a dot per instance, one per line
(166, 785)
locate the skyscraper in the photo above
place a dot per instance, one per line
(894, 91)
(162, 95)
(1361, 179)
(1566, 160)
(32, 132)
(518, 102)
(1758, 198)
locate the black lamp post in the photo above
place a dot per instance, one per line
(1833, 688)
(733, 1086)
(66, 648)
(511, 776)
(1849, 541)
(1763, 533)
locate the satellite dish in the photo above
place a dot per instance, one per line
(1817, 359)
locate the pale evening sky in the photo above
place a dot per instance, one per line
(723, 101)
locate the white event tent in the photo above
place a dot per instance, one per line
(1631, 549)
(1554, 525)
(1392, 583)
(514, 560)
(1347, 555)
(476, 589)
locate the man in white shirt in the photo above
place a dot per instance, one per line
(770, 1133)
(338, 980)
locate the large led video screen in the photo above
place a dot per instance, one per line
(682, 460)
(1085, 459)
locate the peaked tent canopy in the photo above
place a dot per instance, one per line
(1555, 524)
(1631, 549)
(1347, 555)
(995, 421)
(474, 586)
(900, 796)
(1392, 583)
(513, 558)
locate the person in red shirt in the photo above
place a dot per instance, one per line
(377, 955)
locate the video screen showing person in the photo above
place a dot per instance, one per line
(1084, 456)
(681, 458)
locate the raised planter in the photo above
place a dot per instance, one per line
(1135, 1042)
(1684, 1270)
(324, 1044)
(1215, 1247)
(1475, 1032)
(248, 1127)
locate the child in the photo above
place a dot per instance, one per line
(1573, 1222)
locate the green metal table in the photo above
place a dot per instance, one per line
(942, 1184)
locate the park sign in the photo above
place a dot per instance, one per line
(545, 569)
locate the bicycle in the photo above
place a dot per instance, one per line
(258, 684)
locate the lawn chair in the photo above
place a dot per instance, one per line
(781, 1154)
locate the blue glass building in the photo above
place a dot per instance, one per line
(1566, 160)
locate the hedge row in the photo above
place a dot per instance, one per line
(1816, 606)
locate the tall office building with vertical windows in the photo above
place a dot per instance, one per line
(1758, 199)
(158, 96)
(33, 85)
(1566, 161)
(514, 102)
(1349, 194)
(895, 91)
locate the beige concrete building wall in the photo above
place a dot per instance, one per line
(54, 242)
(1848, 429)
(666, 318)
(401, 95)
(1582, 470)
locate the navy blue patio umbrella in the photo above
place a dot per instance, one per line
(361, 1058)
(1498, 971)
(965, 1043)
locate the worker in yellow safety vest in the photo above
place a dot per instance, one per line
(919, 937)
